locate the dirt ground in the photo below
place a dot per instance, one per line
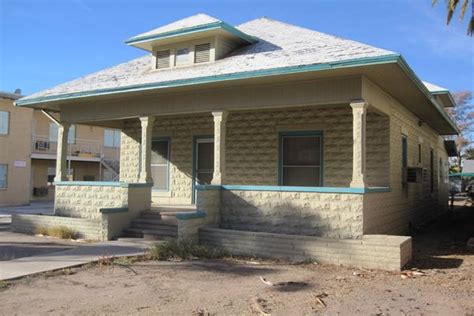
(445, 285)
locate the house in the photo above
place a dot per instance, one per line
(28, 142)
(289, 143)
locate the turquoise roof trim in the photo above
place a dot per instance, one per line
(190, 30)
(366, 61)
(191, 215)
(462, 174)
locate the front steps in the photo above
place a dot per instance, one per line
(158, 223)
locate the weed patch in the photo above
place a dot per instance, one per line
(183, 250)
(62, 232)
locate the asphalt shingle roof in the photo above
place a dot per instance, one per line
(279, 45)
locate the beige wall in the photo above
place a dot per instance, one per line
(16, 147)
(413, 203)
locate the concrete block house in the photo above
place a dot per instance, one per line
(264, 138)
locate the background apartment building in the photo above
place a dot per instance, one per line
(28, 143)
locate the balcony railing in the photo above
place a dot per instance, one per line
(85, 148)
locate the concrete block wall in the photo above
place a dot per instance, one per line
(371, 251)
(84, 201)
(333, 215)
(392, 212)
(87, 228)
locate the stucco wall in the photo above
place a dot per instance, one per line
(252, 146)
(16, 146)
(392, 212)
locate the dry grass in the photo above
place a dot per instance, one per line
(61, 232)
(183, 250)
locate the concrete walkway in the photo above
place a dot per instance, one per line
(68, 258)
(36, 207)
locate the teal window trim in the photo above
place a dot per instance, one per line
(168, 184)
(282, 135)
(195, 139)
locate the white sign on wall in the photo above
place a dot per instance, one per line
(20, 163)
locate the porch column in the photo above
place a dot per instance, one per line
(359, 111)
(219, 146)
(145, 146)
(61, 154)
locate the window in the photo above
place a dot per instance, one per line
(111, 138)
(419, 153)
(3, 176)
(53, 133)
(301, 159)
(202, 53)
(163, 59)
(160, 153)
(182, 55)
(4, 122)
(404, 159)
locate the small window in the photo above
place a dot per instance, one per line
(202, 53)
(419, 153)
(182, 56)
(3, 176)
(160, 153)
(53, 133)
(163, 59)
(111, 138)
(301, 159)
(404, 158)
(4, 122)
(414, 175)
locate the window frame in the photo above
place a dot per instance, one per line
(188, 56)
(168, 178)
(8, 123)
(316, 133)
(6, 177)
(114, 132)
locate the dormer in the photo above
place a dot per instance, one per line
(194, 40)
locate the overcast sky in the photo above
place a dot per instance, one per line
(47, 42)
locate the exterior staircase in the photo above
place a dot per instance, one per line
(158, 223)
(112, 165)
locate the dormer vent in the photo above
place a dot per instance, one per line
(202, 53)
(163, 59)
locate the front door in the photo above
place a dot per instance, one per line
(204, 161)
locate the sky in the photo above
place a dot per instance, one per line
(47, 42)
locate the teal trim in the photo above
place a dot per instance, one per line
(211, 79)
(136, 185)
(89, 183)
(201, 187)
(102, 184)
(462, 174)
(114, 210)
(295, 189)
(190, 30)
(164, 139)
(191, 215)
(405, 67)
(282, 135)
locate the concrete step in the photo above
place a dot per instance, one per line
(151, 221)
(157, 232)
(173, 208)
(140, 241)
(161, 227)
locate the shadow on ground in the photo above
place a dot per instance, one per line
(442, 243)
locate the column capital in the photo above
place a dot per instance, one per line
(359, 104)
(147, 119)
(220, 115)
(65, 124)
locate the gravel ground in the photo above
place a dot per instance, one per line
(440, 284)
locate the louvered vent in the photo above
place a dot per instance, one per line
(202, 53)
(163, 59)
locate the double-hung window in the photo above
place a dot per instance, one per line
(160, 167)
(4, 122)
(3, 176)
(53, 133)
(111, 138)
(301, 159)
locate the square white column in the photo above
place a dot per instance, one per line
(61, 153)
(359, 113)
(145, 147)
(220, 118)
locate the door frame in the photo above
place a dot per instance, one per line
(196, 140)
